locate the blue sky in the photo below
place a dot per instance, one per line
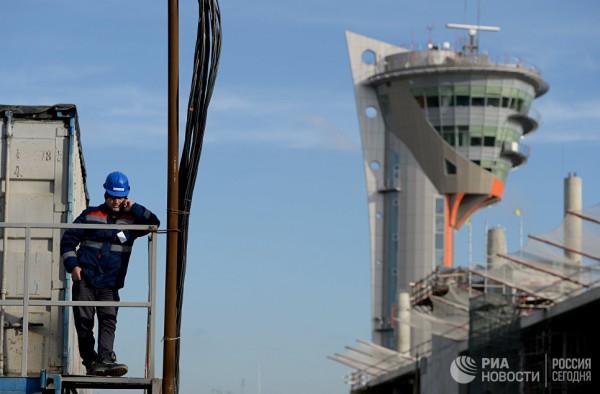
(278, 274)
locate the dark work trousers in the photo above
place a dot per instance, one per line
(84, 320)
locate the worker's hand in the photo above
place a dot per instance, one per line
(127, 205)
(76, 274)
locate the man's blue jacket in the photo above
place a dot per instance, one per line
(103, 255)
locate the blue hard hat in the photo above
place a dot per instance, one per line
(117, 184)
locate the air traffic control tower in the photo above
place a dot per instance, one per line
(441, 129)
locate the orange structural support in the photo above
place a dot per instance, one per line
(449, 247)
(497, 188)
(454, 221)
(449, 218)
(452, 208)
(494, 195)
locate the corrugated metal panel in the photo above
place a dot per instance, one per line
(44, 174)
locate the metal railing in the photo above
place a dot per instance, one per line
(26, 302)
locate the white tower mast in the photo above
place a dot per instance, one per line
(472, 32)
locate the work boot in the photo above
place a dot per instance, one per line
(106, 365)
(90, 367)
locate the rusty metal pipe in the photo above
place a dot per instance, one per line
(170, 327)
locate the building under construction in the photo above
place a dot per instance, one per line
(441, 129)
(527, 314)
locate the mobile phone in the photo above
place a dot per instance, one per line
(123, 204)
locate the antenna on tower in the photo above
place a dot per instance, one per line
(429, 43)
(473, 45)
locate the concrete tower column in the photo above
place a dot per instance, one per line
(572, 227)
(404, 323)
(496, 244)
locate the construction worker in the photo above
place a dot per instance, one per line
(97, 261)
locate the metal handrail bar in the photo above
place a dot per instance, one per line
(80, 225)
(27, 301)
(126, 304)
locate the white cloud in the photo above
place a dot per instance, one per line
(230, 103)
(38, 76)
(568, 122)
(251, 104)
(567, 136)
(106, 132)
(290, 124)
(331, 135)
(553, 111)
(132, 101)
(324, 138)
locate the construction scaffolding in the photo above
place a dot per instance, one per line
(494, 332)
(553, 266)
(484, 305)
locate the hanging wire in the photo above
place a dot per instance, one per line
(206, 64)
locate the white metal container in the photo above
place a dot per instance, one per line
(42, 181)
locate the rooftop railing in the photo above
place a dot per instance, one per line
(26, 302)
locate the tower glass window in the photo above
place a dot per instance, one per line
(440, 231)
